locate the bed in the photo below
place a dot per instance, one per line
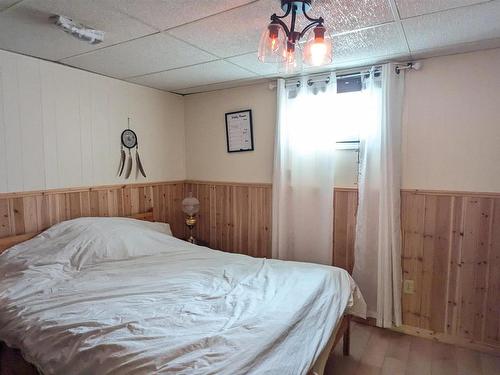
(123, 296)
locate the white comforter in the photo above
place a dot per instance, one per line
(118, 296)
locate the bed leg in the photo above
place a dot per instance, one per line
(347, 338)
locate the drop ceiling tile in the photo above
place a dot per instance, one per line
(411, 8)
(380, 41)
(251, 62)
(222, 86)
(346, 64)
(25, 27)
(197, 75)
(348, 15)
(456, 26)
(141, 56)
(458, 48)
(163, 14)
(4, 4)
(230, 33)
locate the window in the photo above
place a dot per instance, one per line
(350, 114)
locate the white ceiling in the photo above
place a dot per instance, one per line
(198, 45)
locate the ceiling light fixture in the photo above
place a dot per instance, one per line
(285, 45)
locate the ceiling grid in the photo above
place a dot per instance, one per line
(198, 45)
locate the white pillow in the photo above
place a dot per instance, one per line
(158, 226)
(90, 240)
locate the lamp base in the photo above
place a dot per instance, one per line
(190, 223)
(297, 3)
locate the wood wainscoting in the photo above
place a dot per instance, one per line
(451, 251)
(29, 212)
(451, 241)
(234, 217)
(345, 203)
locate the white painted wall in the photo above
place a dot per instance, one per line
(206, 151)
(451, 132)
(60, 127)
(451, 129)
(207, 157)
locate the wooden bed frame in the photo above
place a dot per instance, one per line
(13, 363)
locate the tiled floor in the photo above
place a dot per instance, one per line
(376, 351)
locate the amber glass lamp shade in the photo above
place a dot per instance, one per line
(272, 46)
(318, 48)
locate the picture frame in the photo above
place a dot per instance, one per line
(239, 131)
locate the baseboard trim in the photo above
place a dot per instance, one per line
(435, 336)
(447, 339)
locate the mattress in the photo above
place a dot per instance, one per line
(119, 296)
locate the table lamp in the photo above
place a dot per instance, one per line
(190, 206)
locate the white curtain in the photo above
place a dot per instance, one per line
(377, 265)
(304, 170)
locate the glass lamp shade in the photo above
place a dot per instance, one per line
(190, 205)
(293, 59)
(318, 48)
(272, 46)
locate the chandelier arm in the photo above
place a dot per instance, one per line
(275, 18)
(288, 9)
(304, 12)
(304, 31)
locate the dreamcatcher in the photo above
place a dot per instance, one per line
(129, 141)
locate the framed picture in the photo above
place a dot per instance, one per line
(239, 131)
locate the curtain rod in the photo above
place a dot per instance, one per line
(347, 73)
(343, 72)
(320, 77)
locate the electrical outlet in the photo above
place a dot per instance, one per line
(408, 287)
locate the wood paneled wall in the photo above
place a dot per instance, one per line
(234, 217)
(451, 241)
(451, 250)
(345, 203)
(35, 211)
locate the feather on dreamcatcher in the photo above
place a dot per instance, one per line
(129, 141)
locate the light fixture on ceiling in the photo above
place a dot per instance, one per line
(78, 30)
(285, 45)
